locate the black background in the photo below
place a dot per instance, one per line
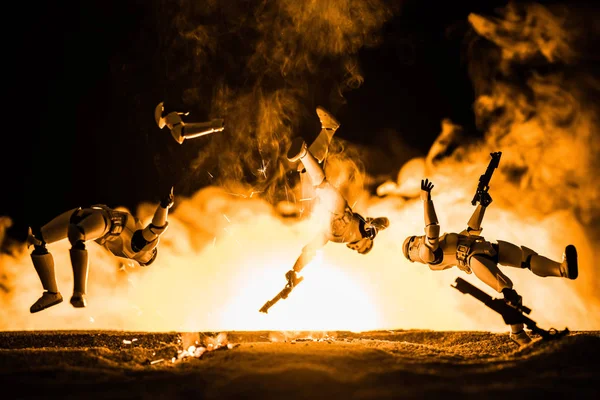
(82, 80)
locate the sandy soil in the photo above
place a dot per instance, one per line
(300, 365)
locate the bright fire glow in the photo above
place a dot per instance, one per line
(207, 284)
(225, 253)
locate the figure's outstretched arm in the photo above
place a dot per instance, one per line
(432, 227)
(145, 240)
(159, 221)
(474, 224)
(309, 251)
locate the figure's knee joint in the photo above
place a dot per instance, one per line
(75, 233)
(504, 282)
(526, 264)
(37, 240)
(37, 233)
(39, 250)
(76, 236)
(527, 254)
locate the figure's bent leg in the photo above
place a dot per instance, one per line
(299, 152)
(57, 228)
(524, 257)
(44, 266)
(320, 147)
(80, 264)
(88, 224)
(487, 270)
(43, 262)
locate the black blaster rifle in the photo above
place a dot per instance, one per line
(293, 280)
(510, 314)
(484, 181)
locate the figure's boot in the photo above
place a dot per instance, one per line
(320, 147)
(299, 152)
(568, 268)
(518, 335)
(44, 266)
(79, 261)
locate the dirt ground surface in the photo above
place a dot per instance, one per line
(296, 365)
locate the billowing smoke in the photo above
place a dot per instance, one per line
(537, 101)
(228, 247)
(536, 93)
(266, 69)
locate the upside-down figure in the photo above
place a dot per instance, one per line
(343, 225)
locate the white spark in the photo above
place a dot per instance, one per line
(237, 194)
(263, 170)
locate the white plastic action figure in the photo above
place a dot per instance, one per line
(472, 253)
(345, 226)
(119, 232)
(181, 130)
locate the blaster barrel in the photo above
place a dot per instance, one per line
(484, 180)
(465, 287)
(495, 304)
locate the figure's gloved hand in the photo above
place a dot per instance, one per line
(426, 187)
(168, 200)
(363, 246)
(512, 297)
(293, 279)
(485, 199)
(374, 225)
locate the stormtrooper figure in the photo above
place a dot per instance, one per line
(344, 225)
(181, 130)
(119, 232)
(473, 254)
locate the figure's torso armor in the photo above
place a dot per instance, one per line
(343, 222)
(345, 227)
(456, 249)
(121, 226)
